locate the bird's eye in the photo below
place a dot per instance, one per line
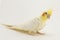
(45, 13)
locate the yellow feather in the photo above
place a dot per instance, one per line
(49, 12)
(44, 18)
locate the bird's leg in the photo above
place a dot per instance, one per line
(40, 33)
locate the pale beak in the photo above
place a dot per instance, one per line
(48, 16)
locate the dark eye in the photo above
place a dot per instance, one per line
(45, 12)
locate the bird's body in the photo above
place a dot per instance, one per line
(31, 27)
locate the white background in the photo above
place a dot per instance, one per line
(18, 11)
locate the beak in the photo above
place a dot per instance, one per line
(48, 16)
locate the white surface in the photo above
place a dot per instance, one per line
(18, 11)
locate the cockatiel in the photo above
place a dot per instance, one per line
(33, 26)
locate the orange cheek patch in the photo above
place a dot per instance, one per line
(43, 14)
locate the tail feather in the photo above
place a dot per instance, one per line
(15, 28)
(7, 25)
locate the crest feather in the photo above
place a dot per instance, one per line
(49, 12)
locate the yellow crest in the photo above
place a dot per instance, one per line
(49, 12)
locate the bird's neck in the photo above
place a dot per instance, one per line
(43, 19)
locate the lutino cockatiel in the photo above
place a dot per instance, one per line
(33, 26)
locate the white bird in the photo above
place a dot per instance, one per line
(33, 26)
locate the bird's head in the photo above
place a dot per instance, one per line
(46, 15)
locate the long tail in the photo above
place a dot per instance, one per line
(7, 25)
(13, 27)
